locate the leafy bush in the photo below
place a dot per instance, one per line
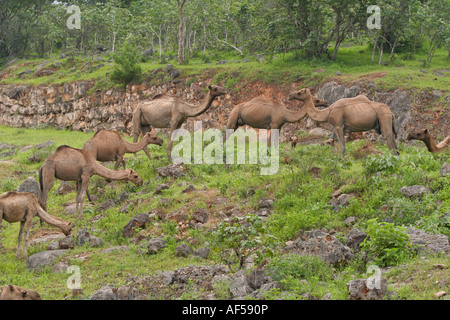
(241, 237)
(127, 67)
(386, 163)
(386, 244)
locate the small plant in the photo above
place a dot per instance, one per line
(127, 67)
(242, 237)
(386, 244)
(386, 163)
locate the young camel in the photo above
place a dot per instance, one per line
(12, 292)
(352, 115)
(169, 112)
(70, 164)
(108, 145)
(23, 207)
(425, 136)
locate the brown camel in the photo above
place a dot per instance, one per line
(12, 292)
(23, 207)
(352, 115)
(425, 136)
(108, 145)
(70, 164)
(169, 112)
(263, 113)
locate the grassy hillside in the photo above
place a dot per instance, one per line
(307, 177)
(352, 63)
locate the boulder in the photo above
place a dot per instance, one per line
(354, 239)
(138, 221)
(125, 292)
(154, 245)
(183, 250)
(414, 191)
(201, 215)
(30, 185)
(428, 243)
(172, 170)
(84, 237)
(363, 289)
(44, 258)
(322, 244)
(445, 169)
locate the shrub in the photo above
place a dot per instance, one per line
(386, 244)
(127, 67)
(386, 163)
(241, 237)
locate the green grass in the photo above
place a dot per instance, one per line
(300, 204)
(353, 62)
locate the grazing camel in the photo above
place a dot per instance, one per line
(263, 113)
(425, 136)
(23, 207)
(12, 292)
(169, 112)
(108, 145)
(70, 164)
(352, 115)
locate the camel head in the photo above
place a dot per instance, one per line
(134, 177)
(301, 95)
(151, 138)
(11, 292)
(217, 90)
(418, 135)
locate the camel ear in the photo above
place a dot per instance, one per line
(426, 131)
(11, 288)
(24, 293)
(209, 87)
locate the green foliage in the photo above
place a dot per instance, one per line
(127, 68)
(241, 237)
(386, 244)
(384, 163)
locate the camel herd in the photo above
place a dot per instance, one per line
(70, 164)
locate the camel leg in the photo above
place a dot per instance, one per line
(19, 239)
(341, 138)
(80, 195)
(174, 125)
(27, 226)
(387, 131)
(1, 227)
(87, 193)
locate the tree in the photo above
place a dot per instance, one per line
(181, 31)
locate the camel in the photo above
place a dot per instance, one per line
(108, 145)
(12, 292)
(352, 115)
(169, 112)
(23, 206)
(425, 136)
(263, 113)
(70, 164)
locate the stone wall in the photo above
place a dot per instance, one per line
(78, 106)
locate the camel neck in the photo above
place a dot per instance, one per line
(431, 145)
(314, 113)
(198, 110)
(135, 147)
(294, 116)
(108, 173)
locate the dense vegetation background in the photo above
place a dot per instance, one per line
(207, 28)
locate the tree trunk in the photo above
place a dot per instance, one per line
(181, 32)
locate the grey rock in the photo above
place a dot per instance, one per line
(172, 170)
(30, 185)
(44, 144)
(84, 237)
(67, 243)
(183, 250)
(167, 277)
(414, 191)
(190, 188)
(363, 289)
(154, 245)
(114, 249)
(265, 203)
(239, 287)
(202, 252)
(15, 92)
(324, 245)
(106, 205)
(256, 278)
(44, 258)
(138, 221)
(160, 187)
(60, 267)
(445, 169)
(201, 215)
(354, 239)
(430, 243)
(109, 292)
